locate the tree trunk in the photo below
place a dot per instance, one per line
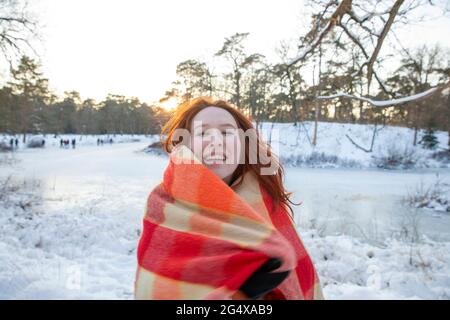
(416, 123)
(316, 119)
(448, 120)
(318, 102)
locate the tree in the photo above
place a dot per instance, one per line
(420, 69)
(289, 83)
(429, 140)
(63, 114)
(447, 118)
(233, 51)
(87, 118)
(8, 112)
(258, 91)
(364, 24)
(197, 79)
(32, 92)
(16, 28)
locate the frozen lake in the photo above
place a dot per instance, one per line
(362, 203)
(365, 203)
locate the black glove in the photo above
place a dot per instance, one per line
(263, 281)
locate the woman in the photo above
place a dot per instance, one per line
(218, 226)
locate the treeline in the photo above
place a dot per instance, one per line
(28, 106)
(351, 66)
(277, 92)
(350, 57)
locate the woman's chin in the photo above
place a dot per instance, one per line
(220, 169)
(214, 165)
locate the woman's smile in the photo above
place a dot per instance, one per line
(218, 158)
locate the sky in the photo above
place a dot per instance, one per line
(132, 47)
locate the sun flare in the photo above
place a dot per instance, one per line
(170, 104)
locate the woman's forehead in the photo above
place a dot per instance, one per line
(213, 116)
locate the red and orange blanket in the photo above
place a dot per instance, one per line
(202, 239)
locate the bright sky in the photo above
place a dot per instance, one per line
(132, 47)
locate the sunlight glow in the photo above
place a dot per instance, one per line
(170, 104)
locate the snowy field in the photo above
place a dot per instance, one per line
(70, 218)
(335, 148)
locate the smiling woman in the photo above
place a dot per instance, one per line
(216, 227)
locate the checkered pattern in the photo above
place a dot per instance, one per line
(202, 239)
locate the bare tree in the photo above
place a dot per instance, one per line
(289, 82)
(197, 78)
(365, 23)
(233, 51)
(16, 29)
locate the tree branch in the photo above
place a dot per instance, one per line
(388, 103)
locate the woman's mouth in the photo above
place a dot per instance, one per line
(217, 158)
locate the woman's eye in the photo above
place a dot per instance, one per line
(225, 133)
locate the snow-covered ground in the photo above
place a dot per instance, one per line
(76, 237)
(70, 220)
(335, 149)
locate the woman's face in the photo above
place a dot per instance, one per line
(215, 141)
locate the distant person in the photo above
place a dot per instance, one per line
(17, 143)
(73, 143)
(43, 143)
(110, 141)
(61, 142)
(98, 141)
(11, 143)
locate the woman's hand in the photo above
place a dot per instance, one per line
(262, 281)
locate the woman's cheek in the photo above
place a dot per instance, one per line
(197, 146)
(233, 148)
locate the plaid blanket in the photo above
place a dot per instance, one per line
(202, 239)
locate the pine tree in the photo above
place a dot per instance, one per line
(429, 140)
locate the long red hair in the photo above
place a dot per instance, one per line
(182, 119)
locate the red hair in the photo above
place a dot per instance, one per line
(182, 119)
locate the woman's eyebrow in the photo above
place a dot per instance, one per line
(221, 125)
(227, 125)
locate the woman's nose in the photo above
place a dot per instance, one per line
(216, 138)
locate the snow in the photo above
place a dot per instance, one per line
(70, 219)
(79, 236)
(351, 269)
(84, 140)
(365, 204)
(383, 103)
(334, 149)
